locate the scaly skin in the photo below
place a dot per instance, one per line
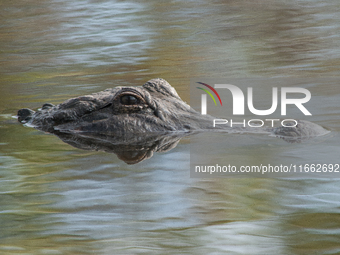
(154, 107)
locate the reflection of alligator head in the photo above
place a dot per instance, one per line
(131, 151)
(134, 117)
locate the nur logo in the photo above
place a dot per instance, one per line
(204, 97)
(238, 104)
(239, 99)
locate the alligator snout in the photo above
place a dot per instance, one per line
(24, 115)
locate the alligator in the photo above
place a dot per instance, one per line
(134, 115)
(120, 111)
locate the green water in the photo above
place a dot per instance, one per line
(56, 199)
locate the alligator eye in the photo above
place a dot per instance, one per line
(129, 100)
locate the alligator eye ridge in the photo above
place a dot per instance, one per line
(129, 100)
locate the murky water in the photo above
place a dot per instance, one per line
(56, 199)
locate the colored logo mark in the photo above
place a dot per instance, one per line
(208, 92)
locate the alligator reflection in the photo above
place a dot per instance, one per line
(133, 149)
(130, 149)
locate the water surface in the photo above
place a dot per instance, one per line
(56, 199)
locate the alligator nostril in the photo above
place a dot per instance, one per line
(47, 106)
(25, 114)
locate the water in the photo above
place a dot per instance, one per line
(56, 199)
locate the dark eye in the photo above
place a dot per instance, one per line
(129, 100)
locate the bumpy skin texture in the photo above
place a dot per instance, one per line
(125, 112)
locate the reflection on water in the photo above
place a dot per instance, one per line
(55, 199)
(131, 151)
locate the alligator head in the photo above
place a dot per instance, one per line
(153, 107)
